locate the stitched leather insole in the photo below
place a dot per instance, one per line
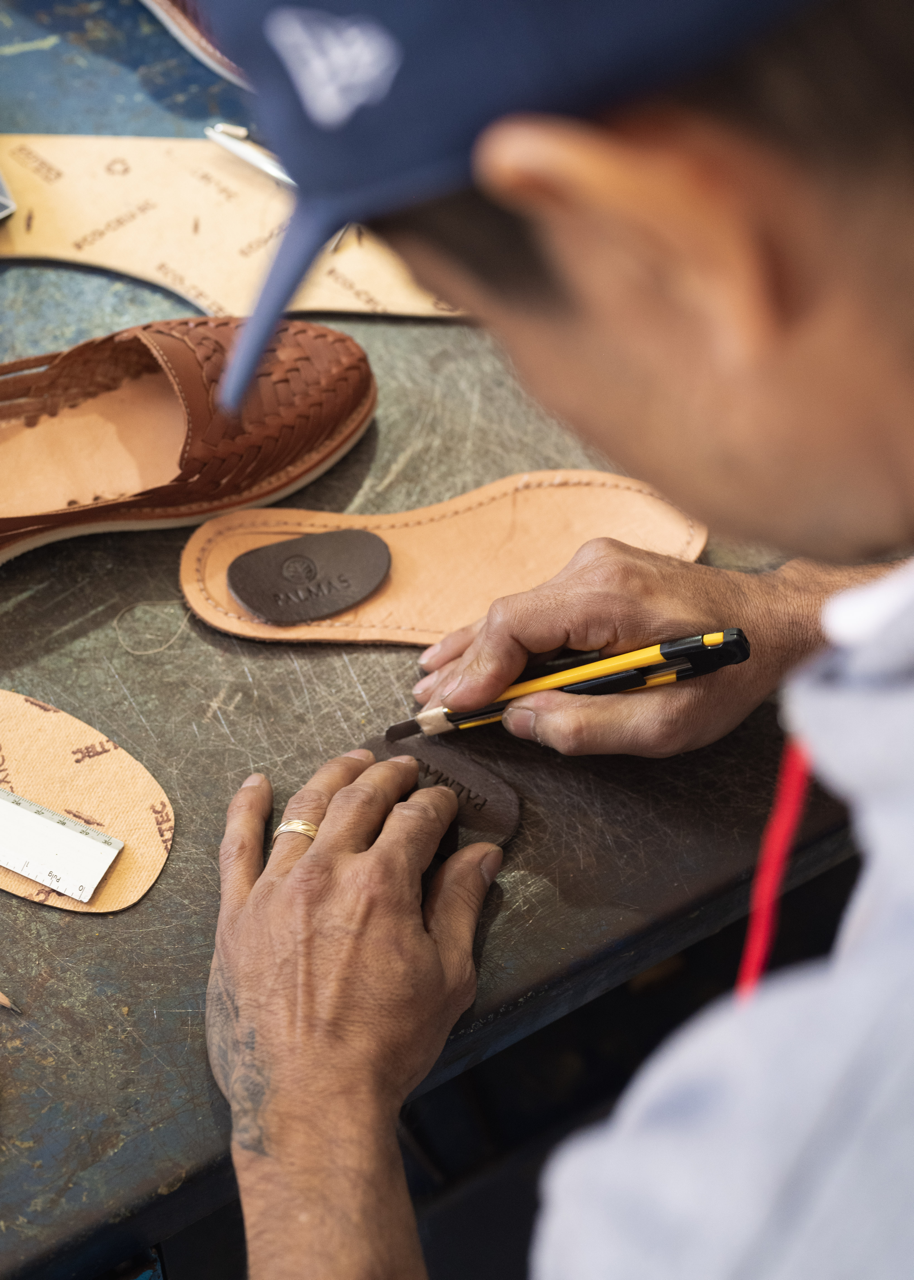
(112, 446)
(448, 561)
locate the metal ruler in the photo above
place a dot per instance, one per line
(51, 849)
(7, 203)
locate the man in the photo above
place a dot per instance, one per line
(710, 280)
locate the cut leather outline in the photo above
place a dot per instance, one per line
(447, 765)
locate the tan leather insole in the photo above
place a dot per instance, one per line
(112, 446)
(448, 561)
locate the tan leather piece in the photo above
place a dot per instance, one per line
(448, 561)
(124, 432)
(187, 216)
(54, 759)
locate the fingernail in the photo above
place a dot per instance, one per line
(360, 753)
(520, 722)
(490, 865)
(254, 780)
(450, 690)
(429, 654)
(422, 685)
(404, 759)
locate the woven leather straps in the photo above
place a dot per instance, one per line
(312, 388)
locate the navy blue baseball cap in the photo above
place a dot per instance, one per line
(374, 105)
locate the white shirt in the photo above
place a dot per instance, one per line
(774, 1139)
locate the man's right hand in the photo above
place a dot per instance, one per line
(615, 598)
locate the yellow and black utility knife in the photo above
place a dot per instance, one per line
(665, 663)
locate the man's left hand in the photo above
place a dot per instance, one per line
(332, 991)
(329, 975)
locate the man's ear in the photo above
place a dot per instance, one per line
(693, 199)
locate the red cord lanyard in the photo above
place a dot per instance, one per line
(777, 841)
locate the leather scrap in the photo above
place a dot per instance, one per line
(311, 577)
(188, 217)
(54, 759)
(487, 808)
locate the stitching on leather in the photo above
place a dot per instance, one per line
(176, 382)
(413, 524)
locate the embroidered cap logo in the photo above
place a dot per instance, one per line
(336, 64)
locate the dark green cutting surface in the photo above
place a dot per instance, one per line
(107, 1106)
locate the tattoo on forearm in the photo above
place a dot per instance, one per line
(233, 1057)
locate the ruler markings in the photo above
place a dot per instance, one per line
(52, 849)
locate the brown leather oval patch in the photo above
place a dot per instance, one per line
(488, 809)
(315, 576)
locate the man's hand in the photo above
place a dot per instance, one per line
(331, 994)
(615, 598)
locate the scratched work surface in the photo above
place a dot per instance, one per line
(108, 1112)
(107, 1102)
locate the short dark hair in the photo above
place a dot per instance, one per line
(834, 87)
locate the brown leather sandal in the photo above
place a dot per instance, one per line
(123, 432)
(183, 20)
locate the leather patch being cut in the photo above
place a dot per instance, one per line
(488, 809)
(311, 577)
(53, 759)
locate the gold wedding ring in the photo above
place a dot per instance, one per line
(298, 825)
